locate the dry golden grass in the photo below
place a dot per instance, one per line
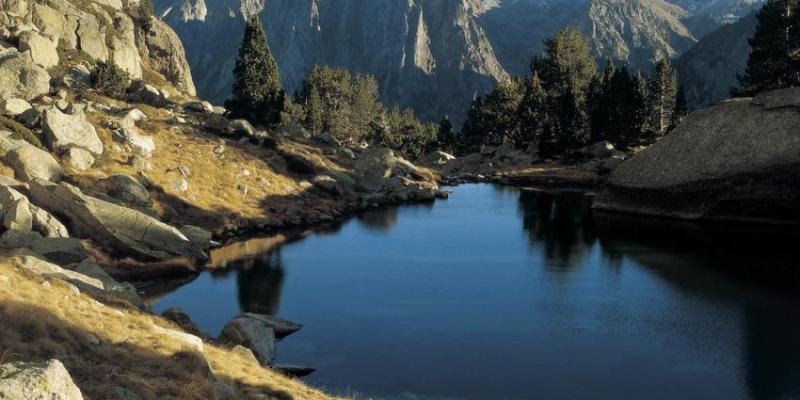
(216, 195)
(40, 323)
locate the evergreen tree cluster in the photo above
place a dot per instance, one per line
(566, 104)
(331, 101)
(348, 108)
(774, 60)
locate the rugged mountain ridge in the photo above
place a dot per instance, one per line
(418, 50)
(435, 55)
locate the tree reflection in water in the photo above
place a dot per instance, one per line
(260, 283)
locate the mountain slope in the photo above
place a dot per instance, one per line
(637, 31)
(708, 71)
(434, 55)
(418, 50)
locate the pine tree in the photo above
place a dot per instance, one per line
(493, 118)
(569, 128)
(663, 91)
(681, 109)
(601, 105)
(365, 107)
(568, 64)
(444, 134)
(639, 130)
(532, 112)
(567, 70)
(257, 91)
(771, 64)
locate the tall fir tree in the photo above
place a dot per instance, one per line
(445, 136)
(532, 111)
(663, 92)
(566, 70)
(568, 64)
(257, 91)
(601, 105)
(493, 118)
(681, 109)
(772, 63)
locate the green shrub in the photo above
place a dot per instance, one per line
(19, 131)
(144, 15)
(110, 80)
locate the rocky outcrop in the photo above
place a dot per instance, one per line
(30, 162)
(124, 229)
(739, 159)
(46, 380)
(18, 214)
(165, 54)
(21, 78)
(63, 131)
(42, 50)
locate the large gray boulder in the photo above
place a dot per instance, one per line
(281, 327)
(63, 131)
(373, 167)
(32, 381)
(42, 50)
(18, 214)
(29, 162)
(54, 24)
(20, 77)
(739, 159)
(253, 334)
(47, 269)
(92, 37)
(129, 231)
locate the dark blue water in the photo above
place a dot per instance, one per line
(499, 293)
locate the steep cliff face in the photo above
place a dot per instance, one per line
(420, 51)
(708, 71)
(637, 31)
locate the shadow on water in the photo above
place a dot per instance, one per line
(754, 267)
(730, 263)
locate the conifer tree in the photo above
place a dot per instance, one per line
(445, 135)
(568, 64)
(493, 119)
(681, 109)
(772, 62)
(532, 112)
(601, 106)
(257, 91)
(663, 92)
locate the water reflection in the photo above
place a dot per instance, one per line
(580, 296)
(560, 223)
(260, 284)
